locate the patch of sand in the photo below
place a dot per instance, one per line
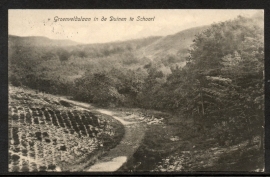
(110, 166)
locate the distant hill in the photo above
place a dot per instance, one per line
(151, 47)
(118, 46)
(176, 44)
(154, 47)
(139, 42)
(38, 41)
(130, 54)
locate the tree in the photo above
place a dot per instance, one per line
(227, 60)
(63, 55)
(222, 82)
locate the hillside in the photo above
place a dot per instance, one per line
(38, 41)
(141, 42)
(50, 134)
(176, 44)
(150, 47)
(43, 55)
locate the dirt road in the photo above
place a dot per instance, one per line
(118, 156)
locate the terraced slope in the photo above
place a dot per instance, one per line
(49, 134)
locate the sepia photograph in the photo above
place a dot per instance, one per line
(125, 90)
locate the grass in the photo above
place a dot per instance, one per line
(194, 151)
(240, 160)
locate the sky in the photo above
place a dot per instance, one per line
(43, 22)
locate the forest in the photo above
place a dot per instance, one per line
(214, 79)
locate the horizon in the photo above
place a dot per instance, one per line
(42, 23)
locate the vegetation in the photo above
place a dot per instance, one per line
(219, 90)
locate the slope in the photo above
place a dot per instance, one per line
(177, 44)
(38, 41)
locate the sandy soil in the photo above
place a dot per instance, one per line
(118, 156)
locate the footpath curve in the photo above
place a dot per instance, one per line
(118, 156)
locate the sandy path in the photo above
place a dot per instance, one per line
(116, 157)
(110, 113)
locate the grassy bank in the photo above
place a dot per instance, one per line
(177, 146)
